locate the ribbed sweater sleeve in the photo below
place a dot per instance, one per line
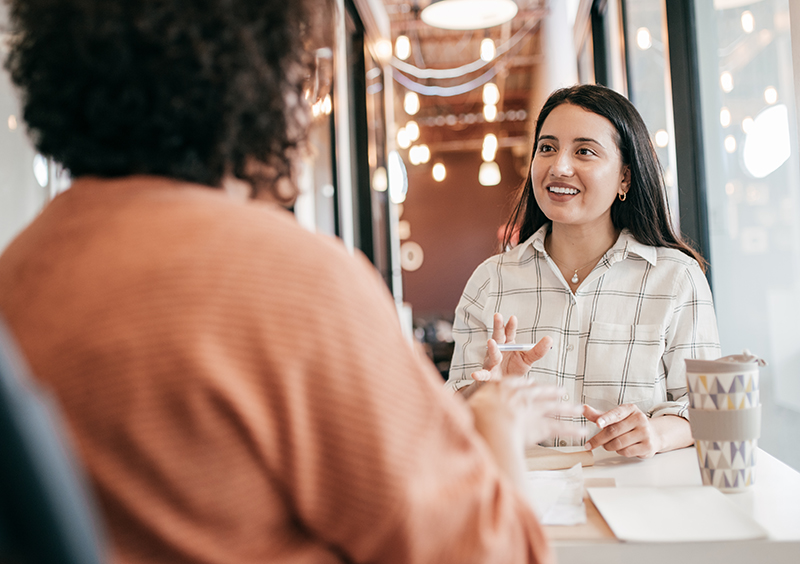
(230, 380)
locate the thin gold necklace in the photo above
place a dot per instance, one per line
(575, 278)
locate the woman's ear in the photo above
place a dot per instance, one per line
(625, 185)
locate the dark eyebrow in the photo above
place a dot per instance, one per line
(588, 140)
(576, 140)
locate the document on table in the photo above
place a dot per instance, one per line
(557, 495)
(673, 514)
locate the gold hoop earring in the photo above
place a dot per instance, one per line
(622, 196)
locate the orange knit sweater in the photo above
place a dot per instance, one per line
(240, 391)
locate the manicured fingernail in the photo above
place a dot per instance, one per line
(587, 446)
(601, 422)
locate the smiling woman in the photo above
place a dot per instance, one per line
(601, 272)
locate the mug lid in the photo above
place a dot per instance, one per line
(729, 363)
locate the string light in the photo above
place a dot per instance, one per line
(411, 103)
(439, 172)
(726, 81)
(491, 94)
(643, 38)
(724, 117)
(402, 47)
(488, 49)
(412, 129)
(489, 149)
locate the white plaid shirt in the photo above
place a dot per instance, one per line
(621, 338)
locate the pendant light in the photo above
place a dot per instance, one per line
(468, 14)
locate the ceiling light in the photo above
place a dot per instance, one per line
(768, 143)
(662, 138)
(403, 140)
(770, 95)
(748, 22)
(489, 149)
(383, 48)
(488, 49)
(439, 172)
(491, 94)
(730, 144)
(380, 182)
(726, 81)
(489, 174)
(747, 124)
(412, 129)
(724, 117)
(643, 39)
(468, 14)
(411, 103)
(490, 112)
(419, 154)
(402, 47)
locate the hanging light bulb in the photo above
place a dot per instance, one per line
(402, 47)
(489, 149)
(403, 140)
(490, 112)
(489, 174)
(425, 153)
(748, 21)
(439, 172)
(411, 103)
(412, 129)
(491, 94)
(724, 117)
(488, 49)
(384, 49)
(726, 81)
(643, 38)
(380, 181)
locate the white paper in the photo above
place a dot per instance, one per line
(557, 495)
(673, 514)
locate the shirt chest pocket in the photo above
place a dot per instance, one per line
(622, 364)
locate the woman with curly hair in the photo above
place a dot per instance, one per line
(598, 270)
(225, 373)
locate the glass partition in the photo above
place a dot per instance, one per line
(753, 195)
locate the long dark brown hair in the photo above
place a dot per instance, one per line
(644, 212)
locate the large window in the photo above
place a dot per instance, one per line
(753, 194)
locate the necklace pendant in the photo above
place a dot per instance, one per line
(575, 277)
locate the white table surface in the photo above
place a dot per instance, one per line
(773, 501)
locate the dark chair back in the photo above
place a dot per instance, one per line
(47, 514)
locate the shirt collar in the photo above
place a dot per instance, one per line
(626, 245)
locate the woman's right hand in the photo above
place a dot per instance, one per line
(498, 365)
(513, 413)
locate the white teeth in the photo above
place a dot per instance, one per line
(560, 190)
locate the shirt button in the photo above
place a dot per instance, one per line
(562, 442)
(566, 397)
(570, 347)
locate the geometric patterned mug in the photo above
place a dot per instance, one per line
(725, 417)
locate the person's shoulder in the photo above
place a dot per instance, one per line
(675, 258)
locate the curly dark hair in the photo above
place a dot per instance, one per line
(190, 89)
(644, 212)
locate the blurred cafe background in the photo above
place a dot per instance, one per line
(422, 133)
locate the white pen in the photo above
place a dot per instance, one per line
(515, 347)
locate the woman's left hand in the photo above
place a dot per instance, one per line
(626, 430)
